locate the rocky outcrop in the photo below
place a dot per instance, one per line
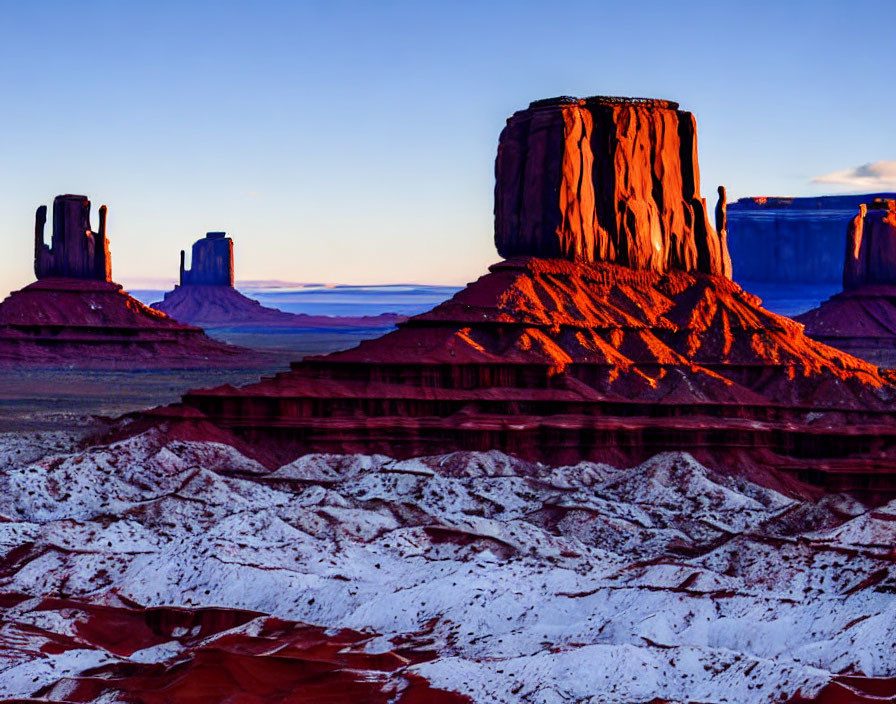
(212, 263)
(871, 246)
(206, 297)
(862, 319)
(790, 240)
(75, 316)
(75, 251)
(605, 180)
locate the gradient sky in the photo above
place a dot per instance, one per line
(354, 141)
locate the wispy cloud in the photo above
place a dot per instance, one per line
(880, 175)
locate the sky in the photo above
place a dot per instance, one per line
(354, 142)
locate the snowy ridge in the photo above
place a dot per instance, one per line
(532, 583)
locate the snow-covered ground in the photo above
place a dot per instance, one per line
(534, 584)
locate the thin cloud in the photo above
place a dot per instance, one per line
(880, 175)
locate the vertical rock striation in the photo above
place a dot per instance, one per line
(605, 180)
(75, 251)
(212, 263)
(871, 246)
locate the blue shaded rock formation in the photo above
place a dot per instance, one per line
(212, 263)
(791, 240)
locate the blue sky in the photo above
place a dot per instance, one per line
(354, 141)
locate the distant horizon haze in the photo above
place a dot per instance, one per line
(351, 142)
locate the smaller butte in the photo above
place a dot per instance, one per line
(75, 316)
(206, 296)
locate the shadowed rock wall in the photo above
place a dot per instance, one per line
(212, 262)
(605, 179)
(75, 251)
(790, 240)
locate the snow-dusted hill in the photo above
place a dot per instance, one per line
(154, 570)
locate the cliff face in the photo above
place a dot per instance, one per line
(212, 263)
(790, 240)
(75, 251)
(605, 180)
(871, 246)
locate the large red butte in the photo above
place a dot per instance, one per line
(612, 332)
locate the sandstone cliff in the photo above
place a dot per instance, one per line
(862, 319)
(605, 180)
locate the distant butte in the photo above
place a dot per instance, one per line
(611, 332)
(206, 296)
(75, 316)
(862, 319)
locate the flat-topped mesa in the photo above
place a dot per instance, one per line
(605, 179)
(212, 262)
(75, 251)
(871, 246)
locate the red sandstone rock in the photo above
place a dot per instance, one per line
(211, 306)
(861, 322)
(87, 323)
(577, 357)
(75, 251)
(271, 661)
(212, 263)
(605, 179)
